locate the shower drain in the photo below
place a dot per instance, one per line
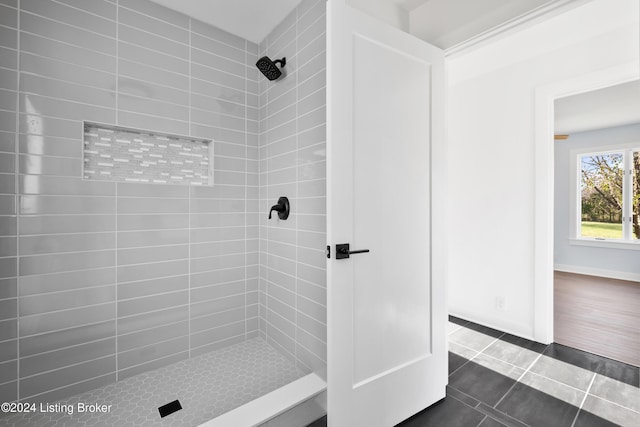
(169, 408)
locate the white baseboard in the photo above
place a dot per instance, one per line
(610, 274)
(520, 330)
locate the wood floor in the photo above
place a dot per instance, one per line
(598, 315)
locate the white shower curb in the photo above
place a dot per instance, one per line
(272, 404)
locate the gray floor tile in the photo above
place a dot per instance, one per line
(500, 417)
(490, 332)
(553, 388)
(462, 397)
(499, 366)
(537, 409)
(471, 339)
(524, 343)
(617, 392)
(565, 373)
(458, 321)
(455, 362)
(490, 422)
(611, 412)
(448, 412)
(587, 419)
(611, 368)
(462, 351)
(481, 382)
(452, 327)
(512, 353)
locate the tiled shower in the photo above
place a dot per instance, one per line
(292, 163)
(103, 280)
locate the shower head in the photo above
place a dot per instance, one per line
(269, 68)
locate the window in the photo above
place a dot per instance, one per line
(608, 196)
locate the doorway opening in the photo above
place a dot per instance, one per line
(596, 154)
(544, 192)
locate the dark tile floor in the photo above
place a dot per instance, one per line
(497, 379)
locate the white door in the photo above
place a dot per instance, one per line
(387, 354)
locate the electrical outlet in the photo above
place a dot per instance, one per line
(499, 303)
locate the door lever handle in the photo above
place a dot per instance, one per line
(342, 251)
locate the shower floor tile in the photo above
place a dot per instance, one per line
(206, 386)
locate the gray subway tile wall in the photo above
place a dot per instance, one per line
(292, 163)
(112, 279)
(8, 203)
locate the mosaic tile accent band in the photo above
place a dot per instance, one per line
(122, 154)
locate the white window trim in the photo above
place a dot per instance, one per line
(575, 199)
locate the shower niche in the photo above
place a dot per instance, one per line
(115, 153)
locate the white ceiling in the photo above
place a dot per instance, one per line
(612, 106)
(249, 19)
(409, 5)
(443, 23)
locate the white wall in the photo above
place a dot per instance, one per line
(586, 259)
(491, 104)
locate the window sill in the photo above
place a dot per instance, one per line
(606, 244)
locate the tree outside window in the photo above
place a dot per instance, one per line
(610, 195)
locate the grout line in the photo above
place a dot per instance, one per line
(17, 201)
(246, 190)
(528, 370)
(295, 89)
(158, 35)
(66, 385)
(517, 381)
(71, 365)
(297, 185)
(246, 170)
(116, 185)
(67, 44)
(56, 273)
(46, 313)
(189, 188)
(115, 255)
(478, 352)
(214, 39)
(228, 310)
(226, 325)
(583, 400)
(614, 403)
(217, 342)
(117, 88)
(263, 97)
(155, 18)
(455, 330)
(117, 109)
(83, 11)
(482, 420)
(104, 321)
(58, 79)
(80, 289)
(314, 146)
(321, 125)
(220, 83)
(57, 21)
(531, 366)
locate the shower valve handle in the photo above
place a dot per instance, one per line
(282, 207)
